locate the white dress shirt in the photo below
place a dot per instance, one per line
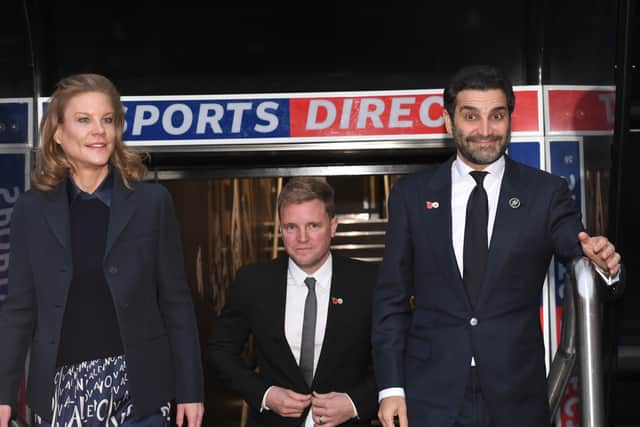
(294, 314)
(462, 184)
(294, 307)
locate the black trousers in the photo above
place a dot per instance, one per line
(474, 411)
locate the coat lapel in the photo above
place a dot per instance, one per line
(438, 224)
(277, 298)
(513, 206)
(56, 213)
(337, 318)
(121, 211)
(57, 217)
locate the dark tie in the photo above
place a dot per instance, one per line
(308, 331)
(475, 237)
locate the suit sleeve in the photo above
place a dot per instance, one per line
(391, 308)
(17, 312)
(614, 291)
(565, 225)
(365, 397)
(176, 306)
(227, 341)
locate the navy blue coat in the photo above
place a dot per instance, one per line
(144, 268)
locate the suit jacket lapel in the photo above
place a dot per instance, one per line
(511, 211)
(277, 298)
(120, 212)
(337, 318)
(438, 224)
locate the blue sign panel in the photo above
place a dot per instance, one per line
(12, 174)
(205, 120)
(565, 162)
(14, 123)
(526, 152)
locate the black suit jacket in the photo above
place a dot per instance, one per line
(256, 306)
(428, 351)
(143, 266)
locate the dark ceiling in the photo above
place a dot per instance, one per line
(257, 46)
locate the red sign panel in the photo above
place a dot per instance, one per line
(581, 110)
(525, 117)
(379, 115)
(367, 115)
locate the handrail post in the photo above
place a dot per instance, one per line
(564, 360)
(589, 343)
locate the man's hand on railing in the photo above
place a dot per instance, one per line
(601, 252)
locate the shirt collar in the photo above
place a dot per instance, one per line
(102, 193)
(495, 169)
(322, 275)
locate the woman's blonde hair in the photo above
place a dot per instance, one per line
(52, 165)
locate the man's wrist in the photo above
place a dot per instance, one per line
(609, 279)
(353, 405)
(263, 405)
(390, 392)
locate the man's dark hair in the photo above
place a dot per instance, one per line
(477, 77)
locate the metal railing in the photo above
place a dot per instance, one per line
(580, 339)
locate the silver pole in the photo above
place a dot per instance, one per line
(589, 344)
(565, 358)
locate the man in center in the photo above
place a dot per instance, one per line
(310, 315)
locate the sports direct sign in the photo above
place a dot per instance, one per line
(302, 117)
(288, 119)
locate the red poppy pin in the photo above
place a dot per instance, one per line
(336, 300)
(431, 205)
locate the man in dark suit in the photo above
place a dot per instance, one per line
(313, 364)
(471, 352)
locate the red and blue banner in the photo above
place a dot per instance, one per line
(302, 117)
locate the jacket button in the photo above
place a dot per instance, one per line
(473, 321)
(113, 270)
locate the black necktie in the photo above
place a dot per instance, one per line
(308, 331)
(476, 247)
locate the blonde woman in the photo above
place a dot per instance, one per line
(97, 288)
